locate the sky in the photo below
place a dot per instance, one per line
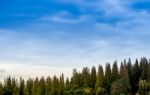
(47, 37)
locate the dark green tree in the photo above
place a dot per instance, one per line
(144, 68)
(21, 87)
(61, 85)
(28, 87)
(100, 78)
(14, 86)
(42, 86)
(124, 77)
(115, 71)
(108, 78)
(86, 77)
(48, 86)
(55, 86)
(136, 74)
(8, 86)
(75, 80)
(93, 78)
(35, 88)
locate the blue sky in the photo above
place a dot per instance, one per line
(54, 36)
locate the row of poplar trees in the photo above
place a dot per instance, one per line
(129, 79)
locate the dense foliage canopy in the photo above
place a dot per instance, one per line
(129, 79)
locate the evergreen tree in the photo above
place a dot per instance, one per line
(86, 77)
(42, 86)
(129, 69)
(100, 77)
(75, 80)
(35, 88)
(28, 87)
(67, 87)
(8, 87)
(115, 72)
(93, 78)
(48, 86)
(108, 79)
(61, 85)
(136, 74)
(14, 87)
(55, 86)
(144, 68)
(21, 87)
(125, 78)
(67, 83)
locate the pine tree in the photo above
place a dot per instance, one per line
(93, 78)
(129, 69)
(144, 68)
(55, 86)
(21, 87)
(108, 79)
(67, 87)
(124, 78)
(48, 86)
(136, 74)
(67, 83)
(100, 77)
(28, 87)
(61, 85)
(86, 77)
(75, 80)
(14, 87)
(115, 72)
(35, 88)
(8, 87)
(42, 86)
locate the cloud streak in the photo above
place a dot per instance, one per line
(64, 17)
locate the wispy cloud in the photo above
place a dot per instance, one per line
(53, 43)
(64, 17)
(46, 57)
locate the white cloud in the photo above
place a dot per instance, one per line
(26, 55)
(64, 17)
(31, 56)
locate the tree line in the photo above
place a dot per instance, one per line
(129, 78)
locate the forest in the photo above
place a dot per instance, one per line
(125, 78)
